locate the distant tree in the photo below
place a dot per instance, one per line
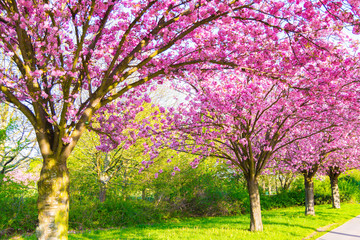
(328, 153)
(16, 141)
(116, 165)
(344, 157)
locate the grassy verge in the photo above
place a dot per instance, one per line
(289, 223)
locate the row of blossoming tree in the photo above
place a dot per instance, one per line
(305, 123)
(256, 124)
(252, 65)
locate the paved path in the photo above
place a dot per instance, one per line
(348, 231)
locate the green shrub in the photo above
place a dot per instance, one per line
(283, 199)
(349, 186)
(190, 194)
(18, 209)
(114, 212)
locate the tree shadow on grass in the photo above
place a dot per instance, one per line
(201, 226)
(158, 231)
(323, 213)
(153, 231)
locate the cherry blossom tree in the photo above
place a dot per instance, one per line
(244, 120)
(344, 157)
(337, 166)
(331, 151)
(64, 60)
(346, 13)
(328, 153)
(307, 157)
(22, 176)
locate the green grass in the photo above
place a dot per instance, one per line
(289, 223)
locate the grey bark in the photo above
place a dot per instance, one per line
(335, 194)
(255, 207)
(309, 195)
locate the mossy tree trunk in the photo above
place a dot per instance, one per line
(53, 185)
(53, 201)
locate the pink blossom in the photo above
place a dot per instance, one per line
(67, 139)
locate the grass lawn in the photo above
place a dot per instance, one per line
(289, 223)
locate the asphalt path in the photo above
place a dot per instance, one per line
(348, 231)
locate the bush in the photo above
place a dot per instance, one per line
(18, 209)
(192, 194)
(349, 185)
(114, 212)
(204, 194)
(283, 199)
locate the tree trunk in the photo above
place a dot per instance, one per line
(53, 201)
(104, 179)
(270, 187)
(102, 193)
(143, 194)
(124, 187)
(309, 196)
(2, 176)
(335, 194)
(286, 186)
(255, 208)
